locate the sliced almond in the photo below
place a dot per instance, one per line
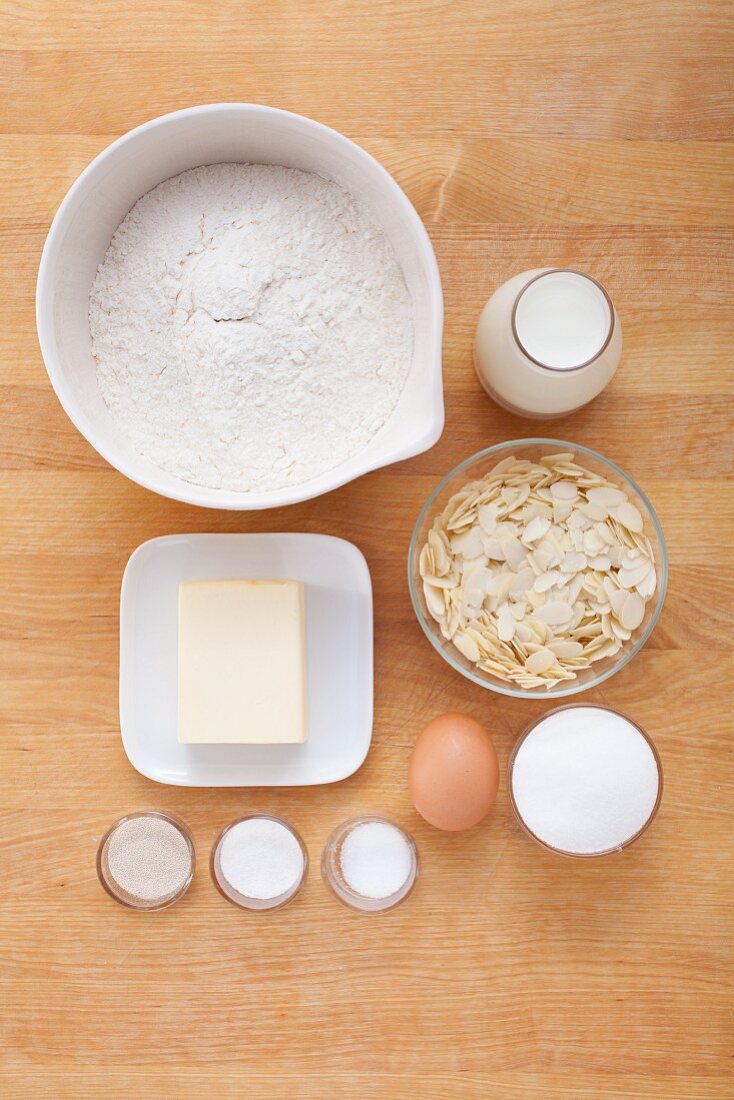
(522, 581)
(505, 624)
(573, 562)
(440, 554)
(493, 548)
(629, 516)
(487, 516)
(546, 580)
(435, 601)
(566, 649)
(593, 542)
(609, 586)
(466, 645)
(594, 511)
(535, 599)
(536, 529)
(605, 533)
(472, 544)
(606, 496)
(441, 582)
(426, 563)
(515, 553)
(564, 490)
(630, 578)
(630, 557)
(469, 568)
(479, 581)
(544, 558)
(500, 585)
(610, 647)
(554, 613)
(632, 612)
(646, 587)
(577, 521)
(574, 589)
(620, 631)
(562, 510)
(553, 460)
(540, 661)
(617, 600)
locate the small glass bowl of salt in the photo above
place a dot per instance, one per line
(259, 862)
(370, 863)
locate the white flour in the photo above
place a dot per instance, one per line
(251, 326)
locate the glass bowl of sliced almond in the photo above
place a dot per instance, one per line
(537, 568)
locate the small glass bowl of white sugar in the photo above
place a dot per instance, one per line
(259, 862)
(370, 863)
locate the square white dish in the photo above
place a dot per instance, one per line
(339, 653)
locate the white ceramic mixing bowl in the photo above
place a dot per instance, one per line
(236, 132)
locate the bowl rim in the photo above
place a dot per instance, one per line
(662, 565)
(234, 500)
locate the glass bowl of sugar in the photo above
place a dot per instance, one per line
(370, 863)
(585, 781)
(145, 861)
(259, 862)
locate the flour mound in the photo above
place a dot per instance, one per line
(251, 326)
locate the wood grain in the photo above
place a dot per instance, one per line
(526, 132)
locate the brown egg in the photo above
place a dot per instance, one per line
(453, 772)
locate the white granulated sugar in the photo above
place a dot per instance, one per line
(251, 326)
(585, 780)
(375, 859)
(261, 858)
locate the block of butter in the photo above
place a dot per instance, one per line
(241, 662)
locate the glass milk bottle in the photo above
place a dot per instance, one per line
(548, 341)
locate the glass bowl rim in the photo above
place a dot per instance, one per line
(561, 444)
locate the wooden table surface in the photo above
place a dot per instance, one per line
(526, 132)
